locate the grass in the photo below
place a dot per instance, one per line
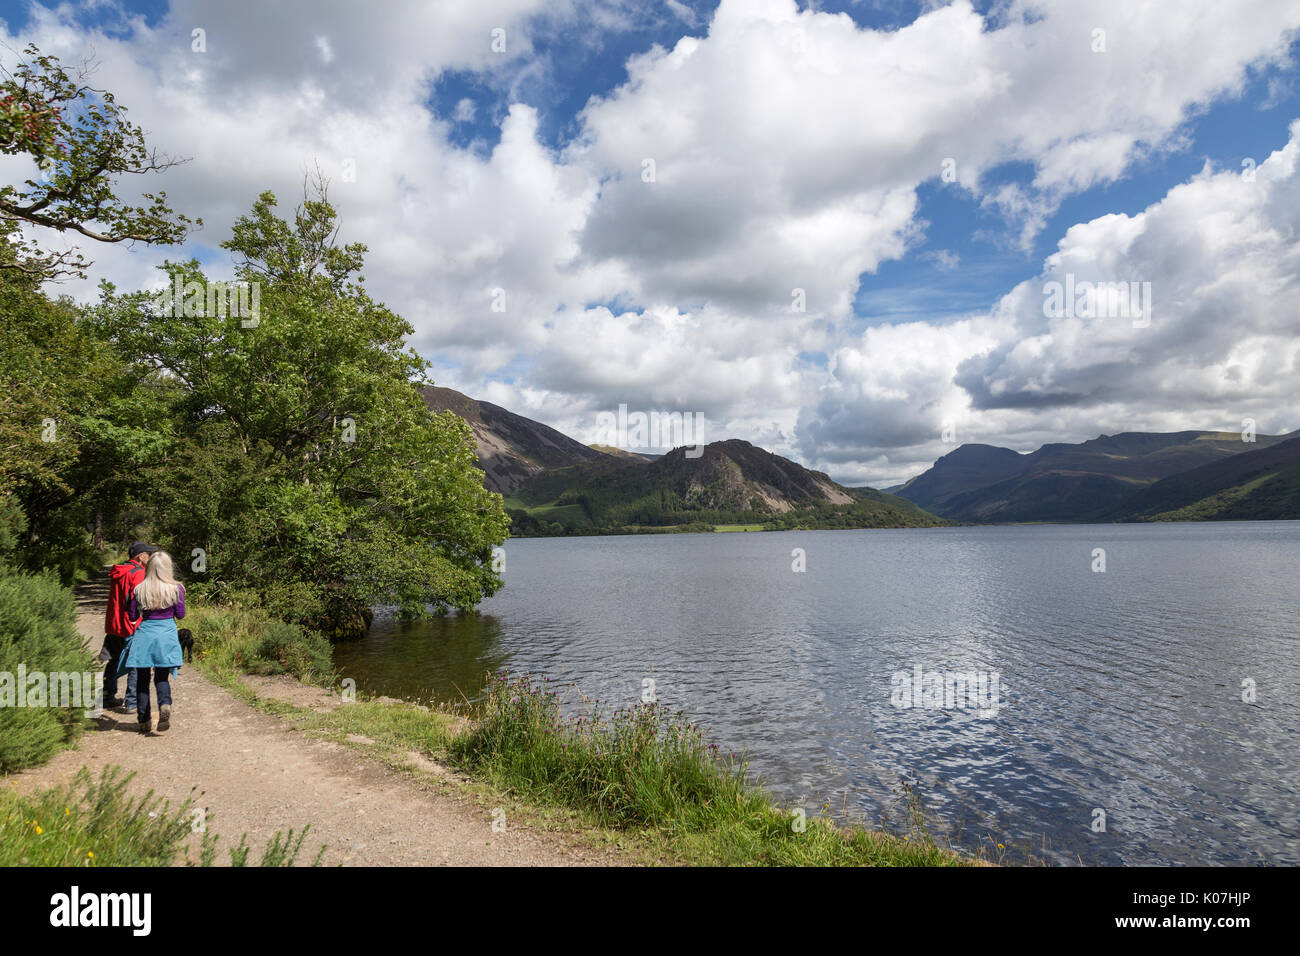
(90, 823)
(95, 822)
(737, 527)
(243, 638)
(645, 767)
(642, 779)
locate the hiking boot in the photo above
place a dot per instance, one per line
(164, 717)
(113, 703)
(143, 726)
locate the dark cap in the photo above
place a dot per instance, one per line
(141, 548)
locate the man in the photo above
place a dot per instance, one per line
(118, 625)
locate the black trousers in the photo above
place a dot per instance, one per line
(162, 677)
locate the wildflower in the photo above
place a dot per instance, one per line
(90, 855)
(39, 831)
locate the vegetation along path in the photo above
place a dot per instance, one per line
(254, 775)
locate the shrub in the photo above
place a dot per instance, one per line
(38, 629)
(244, 637)
(289, 649)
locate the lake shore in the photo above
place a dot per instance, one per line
(263, 754)
(253, 773)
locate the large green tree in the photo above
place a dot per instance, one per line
(308, 466)
(75, 431)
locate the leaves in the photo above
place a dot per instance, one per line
(82, 142)
(306, 451)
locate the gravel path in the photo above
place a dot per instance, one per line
(254, 775)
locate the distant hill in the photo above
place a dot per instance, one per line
(1255, 485)
(511, 449)
(731, 482)
(556, 485)
(959, 471)
(1088, 481)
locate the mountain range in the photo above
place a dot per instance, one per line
(553, 484)
(1132, 476)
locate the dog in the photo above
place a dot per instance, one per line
(187, 644)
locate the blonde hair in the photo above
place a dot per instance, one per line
(159, 589)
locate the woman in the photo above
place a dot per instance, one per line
(160, 600)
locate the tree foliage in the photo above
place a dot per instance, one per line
(271, 428)
(308, 466)
(82, 143)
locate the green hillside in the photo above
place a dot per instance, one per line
(1088, 481)
(1256, 485)
(732, 483)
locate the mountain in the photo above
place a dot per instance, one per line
(511, 449)
(1088, 481)
(730, 482)
(969, 466)
(556, 485)
(620, 453)
(1255, 485)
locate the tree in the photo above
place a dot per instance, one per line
(308, 467)
(80, 138)
(74, 427)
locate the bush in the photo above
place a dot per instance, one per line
(244, 637)
(38, 629)
(288, 649)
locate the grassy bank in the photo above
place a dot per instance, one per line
(643, 777)
(94, 822)
(243, 638)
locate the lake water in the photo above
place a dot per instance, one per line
(1119, 691)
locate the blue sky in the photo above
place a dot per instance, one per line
(1252, 124)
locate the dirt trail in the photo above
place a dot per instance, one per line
(253, 775)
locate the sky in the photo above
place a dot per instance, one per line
(829, 229)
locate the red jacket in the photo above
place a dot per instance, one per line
(121, 582)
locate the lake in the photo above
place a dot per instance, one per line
(1118, 691)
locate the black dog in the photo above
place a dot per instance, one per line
(187, 643)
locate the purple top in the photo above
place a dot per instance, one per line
(162, 613)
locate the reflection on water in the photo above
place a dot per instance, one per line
(1121, 690)
(443, 658)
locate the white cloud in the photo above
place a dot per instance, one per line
(1222, 254)
(788, 147)
(464, 112)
